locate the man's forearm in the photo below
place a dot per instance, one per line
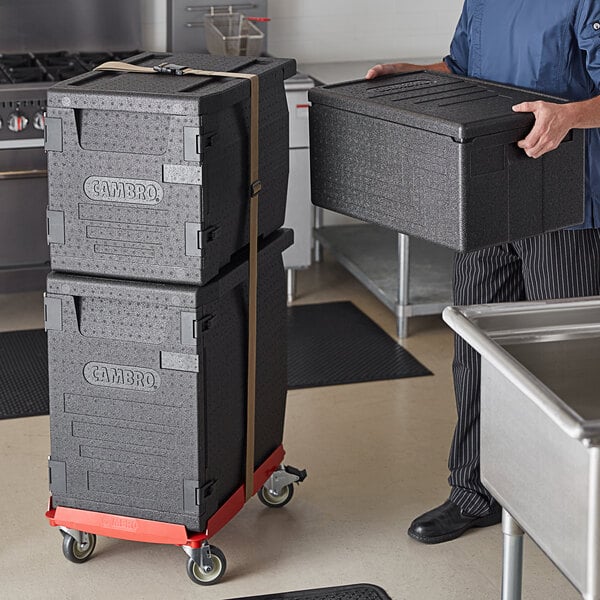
(440, 66)
(584, 114)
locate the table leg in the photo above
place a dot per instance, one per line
(403, 283)
(512, 562)
(291, 285)
(318, 223)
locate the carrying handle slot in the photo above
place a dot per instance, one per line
(91, 124)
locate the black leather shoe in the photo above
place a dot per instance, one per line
(447, 522)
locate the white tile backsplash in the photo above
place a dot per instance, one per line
(335, 30)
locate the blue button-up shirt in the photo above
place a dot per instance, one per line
(551, 46)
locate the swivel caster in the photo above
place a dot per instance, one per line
(279, 488)
(78, 550)
(211, 568)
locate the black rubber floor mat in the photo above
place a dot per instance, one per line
(336, 343)
(363, 591)
(23, 374)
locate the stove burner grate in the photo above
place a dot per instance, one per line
(52, 66)
(90, 60)
(27, 74)
(17, 61)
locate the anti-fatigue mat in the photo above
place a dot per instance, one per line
(345, 592)
(23, 374)
(335, 343)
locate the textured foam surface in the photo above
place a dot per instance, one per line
(361, 591)
(23, 374)
(148, 174)
(435, 155)
(335, 343)
(148, 389)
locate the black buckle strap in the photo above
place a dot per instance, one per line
(170, 69)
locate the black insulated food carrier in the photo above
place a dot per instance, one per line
(149, 173)
(148, 388)
(435, 155)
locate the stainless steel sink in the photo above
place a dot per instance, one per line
(540, 429)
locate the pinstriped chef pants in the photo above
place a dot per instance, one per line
(561, 264)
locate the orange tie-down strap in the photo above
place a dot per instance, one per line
(254, 187)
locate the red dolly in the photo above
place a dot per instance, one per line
(206, 564)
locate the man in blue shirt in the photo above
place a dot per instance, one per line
(551, 46)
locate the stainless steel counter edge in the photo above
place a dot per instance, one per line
(548, 402)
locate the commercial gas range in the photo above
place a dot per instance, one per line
(24, 79)
(42, 43)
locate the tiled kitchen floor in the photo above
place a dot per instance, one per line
(376, 457)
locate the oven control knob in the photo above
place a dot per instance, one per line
(38, 120)
(17, 122)
(1, 123)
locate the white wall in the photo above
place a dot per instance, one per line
(336, 30)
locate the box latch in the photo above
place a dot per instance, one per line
(196, 238)
(194, 496)
(52, 314)
(55, 226)
(192, 328)
(202, 325)
(57, 476)
(53, 134)
(192, 150)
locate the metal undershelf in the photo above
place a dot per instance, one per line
(371, 254)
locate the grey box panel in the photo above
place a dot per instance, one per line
(138, 436)
(142, 155)
(435, 156)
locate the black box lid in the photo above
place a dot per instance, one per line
(210, 93)
(443, 103)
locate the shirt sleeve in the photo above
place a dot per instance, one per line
(458, 59)
(587, 30)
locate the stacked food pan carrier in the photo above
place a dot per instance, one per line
(166, 307)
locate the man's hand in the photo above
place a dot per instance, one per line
(391, 68)
(379, 70)
(552, 123)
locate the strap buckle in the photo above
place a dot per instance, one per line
(255, 188)
(170, 69)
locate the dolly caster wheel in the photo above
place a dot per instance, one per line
(279, 488)
(274, 499)
(78, 552)
(210, 574)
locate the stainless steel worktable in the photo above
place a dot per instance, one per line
(410, 276)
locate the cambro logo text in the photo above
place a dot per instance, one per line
(132, 191)
(119, 376)
(122, 523)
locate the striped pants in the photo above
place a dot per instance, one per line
(561, 264)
